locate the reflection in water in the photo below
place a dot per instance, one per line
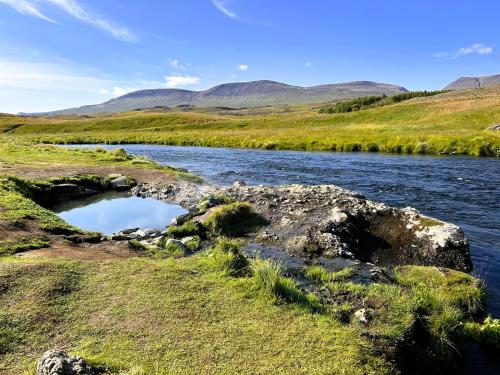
(111, 212)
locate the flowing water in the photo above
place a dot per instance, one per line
(111, 212)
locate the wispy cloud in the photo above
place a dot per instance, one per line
(308, 64)
(27, 8)
(221, 5)
(72, 8)
(242, 67)
(173, 81)
(476, 48)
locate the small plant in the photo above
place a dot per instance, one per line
(233, 219)
(189, 228)
(171, 250)
(487, 333)
(321, 275)
(9, 247)
(268, 277)
(194, 244)
(226, 257)
(136, 245)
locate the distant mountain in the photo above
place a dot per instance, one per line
(474, 82)
(237, 95)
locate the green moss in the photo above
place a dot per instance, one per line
(486, 333)
(320, 274)
(16, 207)
(170, 250)
(429, 222)
(189, 228)
(233, 219)
(22, 243)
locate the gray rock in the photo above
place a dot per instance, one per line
(57, 362)
(61, 191)
(128, 231)
(120, 183)
(239, 183)
(185, 240)
(362, 315)
(495, 127)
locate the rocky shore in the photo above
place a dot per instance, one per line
(325, 222)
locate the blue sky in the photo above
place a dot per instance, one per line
(60, 53)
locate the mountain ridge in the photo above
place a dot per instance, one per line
(236, 95)
(463, 83)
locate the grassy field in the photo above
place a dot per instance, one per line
(182, 316)
(449, 123)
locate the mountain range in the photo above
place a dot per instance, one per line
(237, 95)
(256, 94)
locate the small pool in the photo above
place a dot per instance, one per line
(112, 212)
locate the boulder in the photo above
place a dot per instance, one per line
(57, 362)
(121, 183)
(177, 243)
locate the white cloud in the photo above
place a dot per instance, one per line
(476, 48)
(71, 7)
(221, 6)
(242, 67)
(103, 92)
(27, 8)
(173, 81)
(308, 64)
(174, 64)
(119, 91)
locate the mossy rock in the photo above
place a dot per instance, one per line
(233, 219)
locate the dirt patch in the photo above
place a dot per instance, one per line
(55, 170)
(108, 250)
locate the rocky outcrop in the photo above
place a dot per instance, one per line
(326, 221)
(495, 127)
(57, 362)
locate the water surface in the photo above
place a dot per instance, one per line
(111, 212)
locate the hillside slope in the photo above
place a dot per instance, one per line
(474, 82)
(455, 122)
(237, 95)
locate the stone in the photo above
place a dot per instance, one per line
(57, 362)
(239, 183)
(185, 240)
(120, 183)
(362, 315)
(495, 127)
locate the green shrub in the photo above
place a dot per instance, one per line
(233, 219)
(226, 257)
